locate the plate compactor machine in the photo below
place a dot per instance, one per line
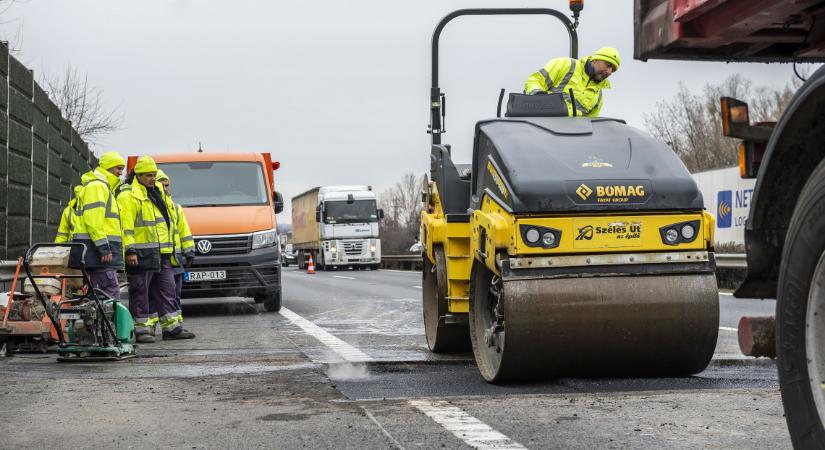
(90, 326)
(570, 246)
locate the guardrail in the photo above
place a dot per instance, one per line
(401, 262)
(404, 262)
(413, 262)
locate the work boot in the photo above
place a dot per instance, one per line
(145, 338)
(182, 334)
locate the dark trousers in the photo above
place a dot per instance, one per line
(178, 288)
(105, 280)
(158, 289)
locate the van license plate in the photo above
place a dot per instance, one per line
(205, 276)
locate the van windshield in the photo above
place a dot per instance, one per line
(350, 212)
(221, 183)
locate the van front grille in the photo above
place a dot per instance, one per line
(223, 245)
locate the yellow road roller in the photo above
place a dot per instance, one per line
(569, 246)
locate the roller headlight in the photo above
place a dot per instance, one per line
(536, 236)
(680, 233)
(688, 231)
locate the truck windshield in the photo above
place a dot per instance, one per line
(346, 212)
(221, 183)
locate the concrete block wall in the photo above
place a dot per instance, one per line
(41, 158)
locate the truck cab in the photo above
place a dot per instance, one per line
(344, 232)
(230, 203)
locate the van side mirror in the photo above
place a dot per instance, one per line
(380, 213)
(279, 203)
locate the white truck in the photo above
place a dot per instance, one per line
(338, 227)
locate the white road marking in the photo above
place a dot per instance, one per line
(472, 431)
(417, 287)
(726, 293)
(729, 329)
(342, 277)
(413, 272)
(346, 351)
(383, 430)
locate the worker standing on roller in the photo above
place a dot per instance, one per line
(586, 77)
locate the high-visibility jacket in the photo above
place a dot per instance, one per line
(96, 218)
(562, 74)
(65, 230)
(184, 242)
(145, 231)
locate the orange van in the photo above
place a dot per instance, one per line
(230, 202)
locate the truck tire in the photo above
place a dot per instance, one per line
(271, 301)
(800, 317)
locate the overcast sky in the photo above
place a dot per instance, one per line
(337, 91)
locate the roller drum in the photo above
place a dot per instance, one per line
(663, 325)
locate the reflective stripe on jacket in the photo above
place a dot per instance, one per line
(64, 230)
(184, 242)
(95, 219)
(562, 74)
(145, 231)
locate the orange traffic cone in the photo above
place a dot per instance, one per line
(310, 266)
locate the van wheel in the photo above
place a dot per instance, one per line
(271, 301)
(800, 317)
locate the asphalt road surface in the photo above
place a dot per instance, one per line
(345, 365)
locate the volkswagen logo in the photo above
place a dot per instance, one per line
(204, 246)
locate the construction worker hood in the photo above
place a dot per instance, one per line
(145, 164)
(111, 159)
(609, 55)
(161, 175)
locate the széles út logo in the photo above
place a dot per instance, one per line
(585, 233)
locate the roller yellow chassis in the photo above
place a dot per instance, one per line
(494, 232)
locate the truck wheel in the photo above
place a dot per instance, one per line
(441, 338)
(271, 301)
(800, 317)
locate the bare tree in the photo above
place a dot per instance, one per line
(691, 123)
(82, 104)
(13, 42)
(402, 214)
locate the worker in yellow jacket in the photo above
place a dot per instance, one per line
(148, 239)
(95, 222)
(65, 230)
(586, 77)
(184, 254)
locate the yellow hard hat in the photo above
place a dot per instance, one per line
(609, 55)
(111, 159)
(145, 164)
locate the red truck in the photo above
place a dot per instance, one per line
(785, 232)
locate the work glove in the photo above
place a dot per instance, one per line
(190, 259)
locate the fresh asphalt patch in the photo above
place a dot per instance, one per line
(391, 380)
